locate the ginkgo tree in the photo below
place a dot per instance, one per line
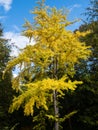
(46, 66)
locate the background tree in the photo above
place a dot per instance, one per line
(7, 120)
(92, 11)
(40, 81)
(5, 84)
(85, 98)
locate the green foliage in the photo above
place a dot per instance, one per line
(92, 11)
(68, 116)
(87, 95)
(40, 121)
(13, 128)
(5, 84)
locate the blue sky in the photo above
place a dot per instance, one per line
(13, 13)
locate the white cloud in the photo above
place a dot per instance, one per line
(15, 27)
(17, 40)
(14, 75)
(74, 6)
(2, 17)
(6, 4)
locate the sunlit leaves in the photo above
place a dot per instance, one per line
(37, 93)
(55, 49)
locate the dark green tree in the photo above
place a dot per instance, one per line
(5, 84)
(92, 11)
(85, 98)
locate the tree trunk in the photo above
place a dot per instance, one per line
(56, 110)
(70, 126)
